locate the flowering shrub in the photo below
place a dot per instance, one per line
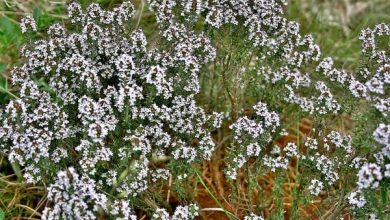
(103, 117)
(110, 101)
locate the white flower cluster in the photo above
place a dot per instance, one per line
(253, 134)
(181, 213)
(76, 196)
(371, 174)
(274, 162)
(104, 98)
(327, 156)
(327, 167)
(315, 187)
(356, 199)
(30, 127)
(28, 23)
(369, 38)
(339, 141)
(372, 216)
(382, 134)
(374, 78)
(264, 121)
(269, 31)
(311, 143)
(322, 104)
(253, 217)
(291, 150)
(159, 174)
(263, 20)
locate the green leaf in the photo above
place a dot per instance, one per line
(3, 83)
(2, 214)
(8, 28)
(4, 88)
(2, 67)
(43, 19)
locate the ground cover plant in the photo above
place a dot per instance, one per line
(173, 109)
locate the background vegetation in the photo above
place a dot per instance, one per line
(335, 25)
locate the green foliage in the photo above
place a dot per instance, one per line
(234, 52)
(2, 214)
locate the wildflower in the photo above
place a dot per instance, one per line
(382, 134)
(315, 187)
(28, 23)
(74, 197)
(369, 176)
(253, 217)
(357, 199)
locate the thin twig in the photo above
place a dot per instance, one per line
(8, 93)
(16, 167)
(212, 210)
(169, 188)
(228, 214)
(225, 85)
(140, 13)
(223, 141)
(33, 211)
